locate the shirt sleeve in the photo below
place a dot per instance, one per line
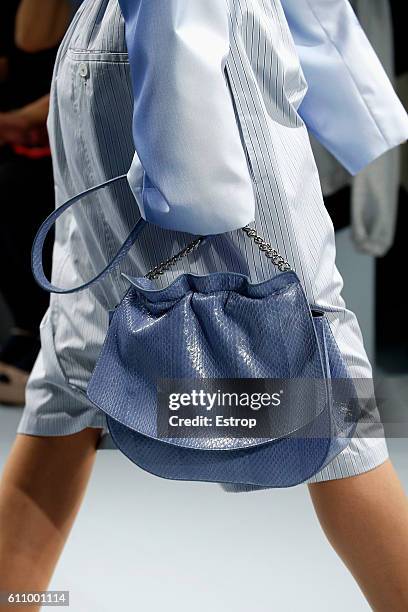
(350, 106)
(190, 171)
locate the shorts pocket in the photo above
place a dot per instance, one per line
(52, 367)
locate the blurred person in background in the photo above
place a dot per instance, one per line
(28, 48)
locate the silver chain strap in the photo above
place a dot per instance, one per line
(268, 249)
(263, 246)
(162, 267)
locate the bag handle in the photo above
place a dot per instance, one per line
(38, 244)
(39, 240)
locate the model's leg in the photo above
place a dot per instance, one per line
(365, 518)
(41, 490)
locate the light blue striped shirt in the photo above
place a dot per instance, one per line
(190, 171)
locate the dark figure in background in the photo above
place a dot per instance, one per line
(27, 195)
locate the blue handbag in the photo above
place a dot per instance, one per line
(201, 330)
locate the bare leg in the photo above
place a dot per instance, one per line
(41, 490)
(365, 518)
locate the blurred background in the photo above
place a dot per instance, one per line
(154, 520)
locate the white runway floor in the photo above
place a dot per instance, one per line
(145, 544)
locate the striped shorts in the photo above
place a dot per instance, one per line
(90, 128)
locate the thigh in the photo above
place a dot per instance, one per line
(365, 518)
(41, 489)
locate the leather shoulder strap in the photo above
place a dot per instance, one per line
(38, 244)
